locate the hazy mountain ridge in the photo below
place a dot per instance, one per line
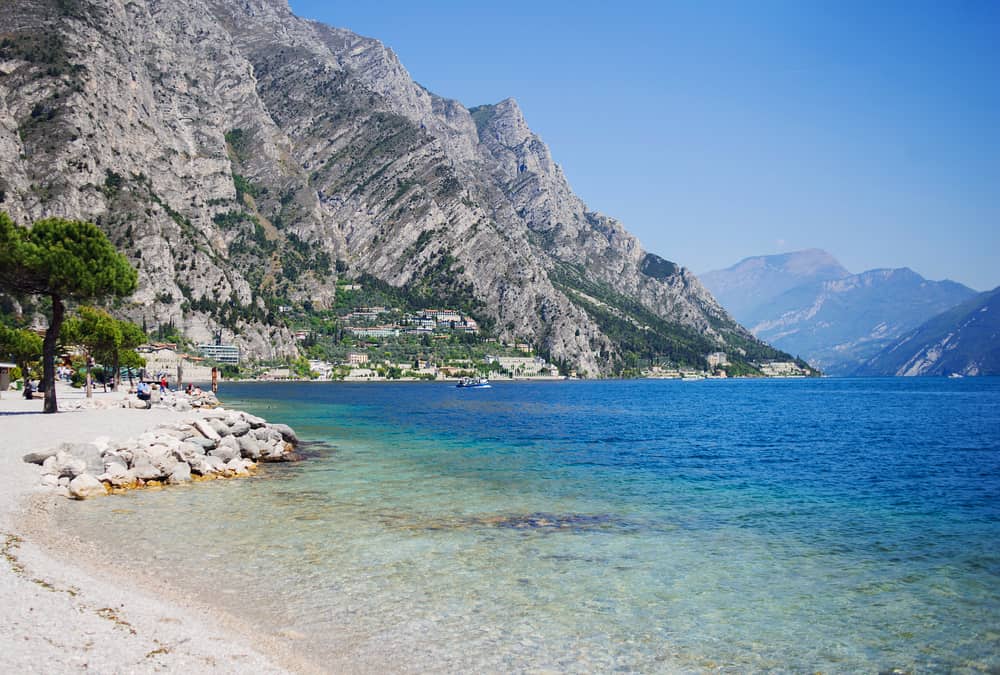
(964, 340)
(244, 158)
(755, 281)
(834, 323)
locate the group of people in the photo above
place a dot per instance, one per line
(144, 390)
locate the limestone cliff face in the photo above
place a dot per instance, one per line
(243, 158)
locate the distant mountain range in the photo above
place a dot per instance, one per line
(964, 340)
(808, 304)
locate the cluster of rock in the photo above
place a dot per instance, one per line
(177, 400)
(216, 444)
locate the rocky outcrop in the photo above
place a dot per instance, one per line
(245, 159)
(216, 444)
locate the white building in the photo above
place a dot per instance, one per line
(783, 369)
(375, 331)
(163, 359)
(324, 369)
(221, 353)
(716, 359)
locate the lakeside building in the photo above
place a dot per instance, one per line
(421, 322)
(221, 353)
(162, 358)
(356, 359)
(374, 331)
(323, 369)
(521, 365)
(783, 369)
(443, 316)
(716, 359)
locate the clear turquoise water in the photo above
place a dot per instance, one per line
(817, 525)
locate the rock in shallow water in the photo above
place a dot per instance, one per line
(249, 447)
(180, 474)
(286, 433)
(86, 486)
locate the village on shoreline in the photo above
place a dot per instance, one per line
(385, 343)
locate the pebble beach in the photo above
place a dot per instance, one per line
(63, 611)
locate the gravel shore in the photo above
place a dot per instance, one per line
(62, 613)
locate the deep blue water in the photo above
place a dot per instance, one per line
(833, 525)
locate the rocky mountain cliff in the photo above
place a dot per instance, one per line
(834, 322)
(245, 159)
(964, 340)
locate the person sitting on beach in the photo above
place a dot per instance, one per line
(144, 391)
(190, 389)
(29, 391)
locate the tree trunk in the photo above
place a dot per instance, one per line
(49, 354)
(116, 378)
(90, 377)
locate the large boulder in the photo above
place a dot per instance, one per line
(180, 474)
(239, 428)
(267, 434)
(286, 433)
(188, 451)
(249, 447)
(225, 452)
(65, 464)
(115, 465)
(179, 434)
(39, 456)
(254, 421)
(144, 468)
(239, 466)
(86, 486)
(205, 443)
(206, 429)
(220, 427)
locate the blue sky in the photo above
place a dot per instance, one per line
(720, 130)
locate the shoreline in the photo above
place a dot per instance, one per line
(65, 608)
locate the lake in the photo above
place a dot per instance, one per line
(830, 525)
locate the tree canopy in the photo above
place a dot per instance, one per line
(72, 259)
(64, 260)
(104, 337)
(20, 345)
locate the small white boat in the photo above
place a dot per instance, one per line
(474, 383)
